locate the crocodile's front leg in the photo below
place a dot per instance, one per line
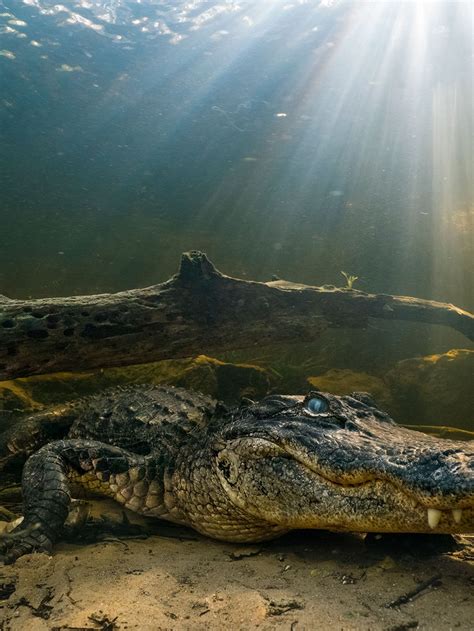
(96, 466)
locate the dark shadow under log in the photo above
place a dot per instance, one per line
(197, 311)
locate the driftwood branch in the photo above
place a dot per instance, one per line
(199, 310)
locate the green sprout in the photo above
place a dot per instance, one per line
(350, 280)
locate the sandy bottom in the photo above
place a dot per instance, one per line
(175, 579)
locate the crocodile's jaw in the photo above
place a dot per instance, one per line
(274, 496)
(268, 483)
(295, 497)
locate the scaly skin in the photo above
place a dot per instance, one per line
(248, 474)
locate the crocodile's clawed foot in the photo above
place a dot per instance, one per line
(23, 540)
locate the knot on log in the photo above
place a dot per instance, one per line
(195, 267)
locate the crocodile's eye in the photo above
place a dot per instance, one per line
(316, 405)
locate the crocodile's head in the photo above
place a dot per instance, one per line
(339, 463)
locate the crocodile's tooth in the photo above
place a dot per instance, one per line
(457, 515)
(434, 515)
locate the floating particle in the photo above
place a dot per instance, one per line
(68, 68)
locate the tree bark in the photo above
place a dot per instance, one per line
(199, 310)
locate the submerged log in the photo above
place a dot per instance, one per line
(199, 310)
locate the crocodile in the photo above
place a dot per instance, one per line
(246, 474)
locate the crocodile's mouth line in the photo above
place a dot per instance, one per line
(433, 514)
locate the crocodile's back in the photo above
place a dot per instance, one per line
(134, 416)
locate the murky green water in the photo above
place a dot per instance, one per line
(296, 138)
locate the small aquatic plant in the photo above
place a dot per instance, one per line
(350, 280)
